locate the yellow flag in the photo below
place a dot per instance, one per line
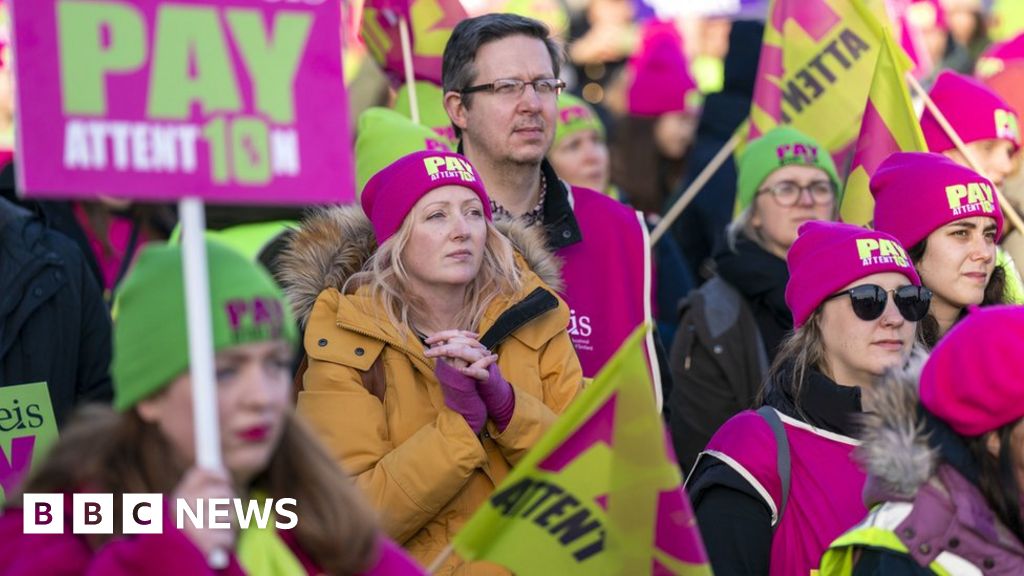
(889, 125)
(601, 493)
(816, 62)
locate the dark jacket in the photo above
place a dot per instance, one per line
(700, 227)
(59, 215)
(729, 331)
(54, 326)
(761, 278)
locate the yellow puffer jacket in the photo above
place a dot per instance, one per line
(420, 464)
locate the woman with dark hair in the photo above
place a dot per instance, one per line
(148, 446)
(775, 486)
(943, 452)
(950, 218)
(651, 142)
(990, 130)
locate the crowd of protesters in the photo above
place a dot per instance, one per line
(840, 398)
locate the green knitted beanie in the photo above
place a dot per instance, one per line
(430, 101)
(782, 146)
(575, 115)
(150, 332)
(384, 136)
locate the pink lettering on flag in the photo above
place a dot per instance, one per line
(13, 469)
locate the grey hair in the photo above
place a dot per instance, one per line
(457, 70)
(741, 225)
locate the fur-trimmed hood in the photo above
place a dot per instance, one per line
(895, 449)
(334, 243)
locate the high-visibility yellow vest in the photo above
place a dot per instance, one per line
(878, 530)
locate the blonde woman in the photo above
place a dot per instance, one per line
(435, 357)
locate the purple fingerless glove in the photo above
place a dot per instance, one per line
(498, 397)
(460, 394)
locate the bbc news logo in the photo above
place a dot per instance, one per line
(144, 513)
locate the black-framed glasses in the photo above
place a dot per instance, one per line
(868, 301)
(787, 193)
(515, 87)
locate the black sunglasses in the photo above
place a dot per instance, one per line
(868, 301)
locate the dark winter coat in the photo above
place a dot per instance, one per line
(54, 326)
(700, 228)
(729, 332)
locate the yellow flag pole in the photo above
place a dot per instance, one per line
(439, 561)
(1006, 207)
(691, 191)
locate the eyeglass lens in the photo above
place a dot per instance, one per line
(869, 301)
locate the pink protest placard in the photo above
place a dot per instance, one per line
(232, 101)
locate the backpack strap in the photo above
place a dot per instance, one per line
(782, 454)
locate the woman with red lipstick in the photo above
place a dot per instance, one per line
(435, 356)
(775, 486)
(949, 216)
(147, 445)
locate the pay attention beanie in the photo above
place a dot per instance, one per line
(973, 110)
(827, 256)
(973, 379)
(384, 136)
(392, 192)
(919, 192)
(575, 115)
(150, 331)
(782, 146)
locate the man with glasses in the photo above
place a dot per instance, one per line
(500, 77)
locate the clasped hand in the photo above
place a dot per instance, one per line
(462, 350)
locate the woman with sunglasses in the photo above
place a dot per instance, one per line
(775, 486)
(730, 329)
(949, 218)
